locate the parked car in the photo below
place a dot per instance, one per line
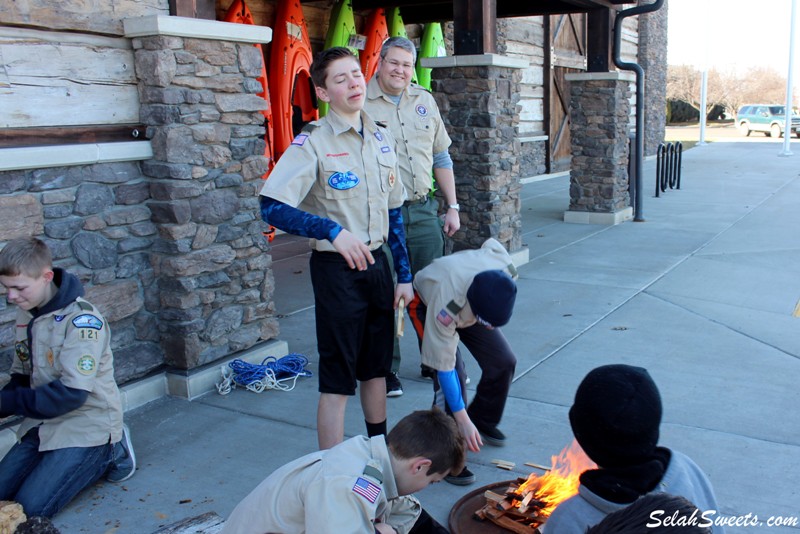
(765, 118)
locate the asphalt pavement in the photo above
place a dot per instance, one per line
(705, 294)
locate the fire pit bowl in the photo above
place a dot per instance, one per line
(461, 520)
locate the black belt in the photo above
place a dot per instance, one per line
(420, 200)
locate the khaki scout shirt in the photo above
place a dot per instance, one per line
(71, 345)
(329, 170)
(340, 490)
(418, 128)
(443, 286)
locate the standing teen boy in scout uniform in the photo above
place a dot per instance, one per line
(466, 296)
(337, 184)
(411, 114)
(360, 485)
(62, 381)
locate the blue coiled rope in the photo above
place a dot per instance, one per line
(272, 373)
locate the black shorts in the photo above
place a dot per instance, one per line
(355, 321)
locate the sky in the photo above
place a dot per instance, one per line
(735, 34)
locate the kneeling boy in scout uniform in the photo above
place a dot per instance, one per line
(62, 381)
(337, 184)
(466, 296)
(361, 485)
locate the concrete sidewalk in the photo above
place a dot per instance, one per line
(704, 294)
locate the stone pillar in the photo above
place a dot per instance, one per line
(652, 54)
(600, 114)
(478, 96)
(197, 85)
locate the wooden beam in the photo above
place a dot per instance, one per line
(24, 137)
(474, 27)
(194, 9)
(599, 39)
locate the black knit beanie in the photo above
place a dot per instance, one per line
(616, 415)
(491, 296)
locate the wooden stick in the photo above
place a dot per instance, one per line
(504, 464)
(400, 317)
(537, 466)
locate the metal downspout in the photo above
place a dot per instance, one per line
(648, 8)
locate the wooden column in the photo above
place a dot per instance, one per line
(474, 27)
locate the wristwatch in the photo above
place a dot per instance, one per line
(453, 207)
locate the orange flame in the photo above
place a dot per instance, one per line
(562, 481)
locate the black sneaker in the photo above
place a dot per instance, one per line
(393, 386)
(492, 436)
(123, 465)
(426, 372)
(464, 478)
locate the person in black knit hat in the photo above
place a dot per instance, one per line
(467, 297)
(616, 418)
(655, 513)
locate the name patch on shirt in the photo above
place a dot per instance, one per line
(87, 320)
(342, 181)
(300, 140)
(422, 111)
(367, 489)
(444, 317)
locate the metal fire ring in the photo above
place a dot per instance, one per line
(461, 520)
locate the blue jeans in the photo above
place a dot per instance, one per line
(44, 482)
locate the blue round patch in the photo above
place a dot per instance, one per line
(342, 181)
(422, 111)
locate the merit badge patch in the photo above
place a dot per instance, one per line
(87, 320)
(367, 489)
(379, 136)
(342, 181)
(86, 365)
(422, 111)
(444, 317)
(21, 349)
(300, 140)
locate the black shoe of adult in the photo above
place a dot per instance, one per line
(492, 436)
(464, 478)
(393, 386)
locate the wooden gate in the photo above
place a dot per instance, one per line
(565, 39)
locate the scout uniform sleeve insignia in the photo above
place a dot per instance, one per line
(367, 489)
(300, 140)
(422, 111)
(342, 181)
(444, 317)
(87, 320)
(22, 351)
(86, 365)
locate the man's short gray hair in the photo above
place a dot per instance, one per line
(399, 42)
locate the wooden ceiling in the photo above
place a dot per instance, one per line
(420, 11)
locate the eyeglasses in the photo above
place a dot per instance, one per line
(484, 322)
(397, 64)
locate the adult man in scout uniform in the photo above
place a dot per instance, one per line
(337, 184)
(466, 297)
(62, 382)
(360, 485)
(411, 114)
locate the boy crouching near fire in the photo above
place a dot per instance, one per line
(62, 382)
(360, 485)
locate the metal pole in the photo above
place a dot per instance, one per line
(787, 125)
(703, 93)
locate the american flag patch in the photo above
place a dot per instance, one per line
(367, 489)
(444, 317)
(300, 140)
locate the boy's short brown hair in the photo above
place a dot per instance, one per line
(431, 434)
(319, 67)
(25, 255)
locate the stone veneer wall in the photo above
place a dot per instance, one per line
(479, 107)
(210, 260)
(171, 249)
(599, 111)
(653, 59)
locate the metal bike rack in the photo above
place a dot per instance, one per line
(668, 166)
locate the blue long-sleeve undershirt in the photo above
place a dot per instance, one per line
(451, 387)
(44, 402)
(299, 222)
